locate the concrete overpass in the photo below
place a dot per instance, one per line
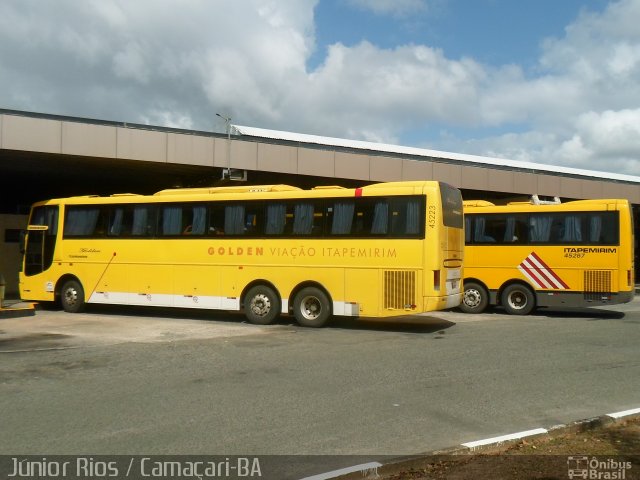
(44, 156)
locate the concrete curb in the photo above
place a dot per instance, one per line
(17, 309)
(400, 464)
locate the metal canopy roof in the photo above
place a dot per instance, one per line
(421, 152)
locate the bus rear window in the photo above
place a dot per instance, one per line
(451, 206)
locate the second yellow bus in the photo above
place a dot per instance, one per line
(525, 255)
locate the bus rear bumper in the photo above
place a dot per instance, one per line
(442, 303)
(581, 299)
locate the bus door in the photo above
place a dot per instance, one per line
(41, 240)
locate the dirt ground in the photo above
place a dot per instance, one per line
(611, 451)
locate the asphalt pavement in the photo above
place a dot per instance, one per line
(136, 381)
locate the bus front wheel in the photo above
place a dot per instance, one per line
(311, 307)
(518, 300)
(72, 296)
(261, 305)
(475, 298)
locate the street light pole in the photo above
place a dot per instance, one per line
(227, 122)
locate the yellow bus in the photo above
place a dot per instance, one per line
(382, 250)
(525, 255)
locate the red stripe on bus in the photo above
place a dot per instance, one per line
(551, 272)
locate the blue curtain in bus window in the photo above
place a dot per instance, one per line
(172, 220)
(380, 222)
(115, 227)
(595, 229)
(479, 234)
(199, 220)
(234, 220)
(572, 229)
(81, 222)
(540, 228)
(510, 230)
(342, 218)
(303, 219)
(276, 219)
(140, 221)
(413, 217)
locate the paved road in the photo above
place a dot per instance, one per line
(131, 381)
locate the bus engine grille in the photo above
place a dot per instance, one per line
(399, 289)
(597, 284)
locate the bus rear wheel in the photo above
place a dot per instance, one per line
(261, 305)
(311, 307)
(72, 296)
(475, 298)
(518, 300)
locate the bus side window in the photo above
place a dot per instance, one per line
(572, 228)
(234, 220)
(116, 216)
(404, 216)
(516, 231)
(480, 234)
(604, 229)
(198, 220)
(144, 221)
(216, 220)
(276, 219)
(341, 217)
(540, 228)
(303, 218)
(254, 219)
(172, 220)
(82, 221)
(380, 220)
(557, 230)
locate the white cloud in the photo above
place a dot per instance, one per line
(392, 7)
(367, 89)
(580, 108)
(124, 60)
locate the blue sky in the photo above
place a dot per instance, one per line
(547, 81)
(495, 32)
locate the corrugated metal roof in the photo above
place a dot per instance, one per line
(421, 152)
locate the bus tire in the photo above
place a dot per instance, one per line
(261, 305)
(311, 307)
(518, 299)
(475, 298)
(72, 296)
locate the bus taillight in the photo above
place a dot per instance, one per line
(436, 280)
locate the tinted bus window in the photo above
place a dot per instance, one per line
(570, 228)
(452, 215)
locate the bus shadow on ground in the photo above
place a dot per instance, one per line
(568, 312)
(402, 324)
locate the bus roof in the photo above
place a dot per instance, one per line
(601, 203)
(249, 191)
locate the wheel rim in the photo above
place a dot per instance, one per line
(472, 298)
(260, 305)
(71, 296)
(310, 307)
(517, 300)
